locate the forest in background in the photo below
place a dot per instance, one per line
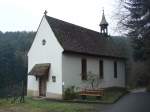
(13, 57)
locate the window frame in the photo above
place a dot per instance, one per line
(101, 69)
(84, 69)
(53, 78)
(115, 70)
(43, 42)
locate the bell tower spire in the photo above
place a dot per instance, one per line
(103, 25)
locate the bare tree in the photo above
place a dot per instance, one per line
(93, 80)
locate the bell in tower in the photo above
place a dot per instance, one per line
(103, 25)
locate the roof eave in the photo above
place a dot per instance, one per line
(94, 55)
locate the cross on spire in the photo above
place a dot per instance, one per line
(45, 12)
(103, 10)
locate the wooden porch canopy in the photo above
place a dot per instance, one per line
(40, 69)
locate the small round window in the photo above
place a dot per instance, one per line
(43, 42)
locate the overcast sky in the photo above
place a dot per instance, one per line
(20, 15)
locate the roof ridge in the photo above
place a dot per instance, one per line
(72, 24)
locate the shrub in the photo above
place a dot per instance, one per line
(116, 89)
(69, 93)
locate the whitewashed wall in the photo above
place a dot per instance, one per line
(109, 79)
(32, 83)
(71, 70)
(50, 53)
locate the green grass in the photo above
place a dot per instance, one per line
(112, 94)
(31, 105)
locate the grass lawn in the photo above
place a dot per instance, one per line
(32, 105)
(113, 94)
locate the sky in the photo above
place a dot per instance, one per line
(25, 15)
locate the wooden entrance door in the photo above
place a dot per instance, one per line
(42, 86)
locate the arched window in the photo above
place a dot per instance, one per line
(43, 42)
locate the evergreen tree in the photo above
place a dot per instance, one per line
(137, 21)
(13, 59)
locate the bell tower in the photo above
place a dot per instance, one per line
(103, 25)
